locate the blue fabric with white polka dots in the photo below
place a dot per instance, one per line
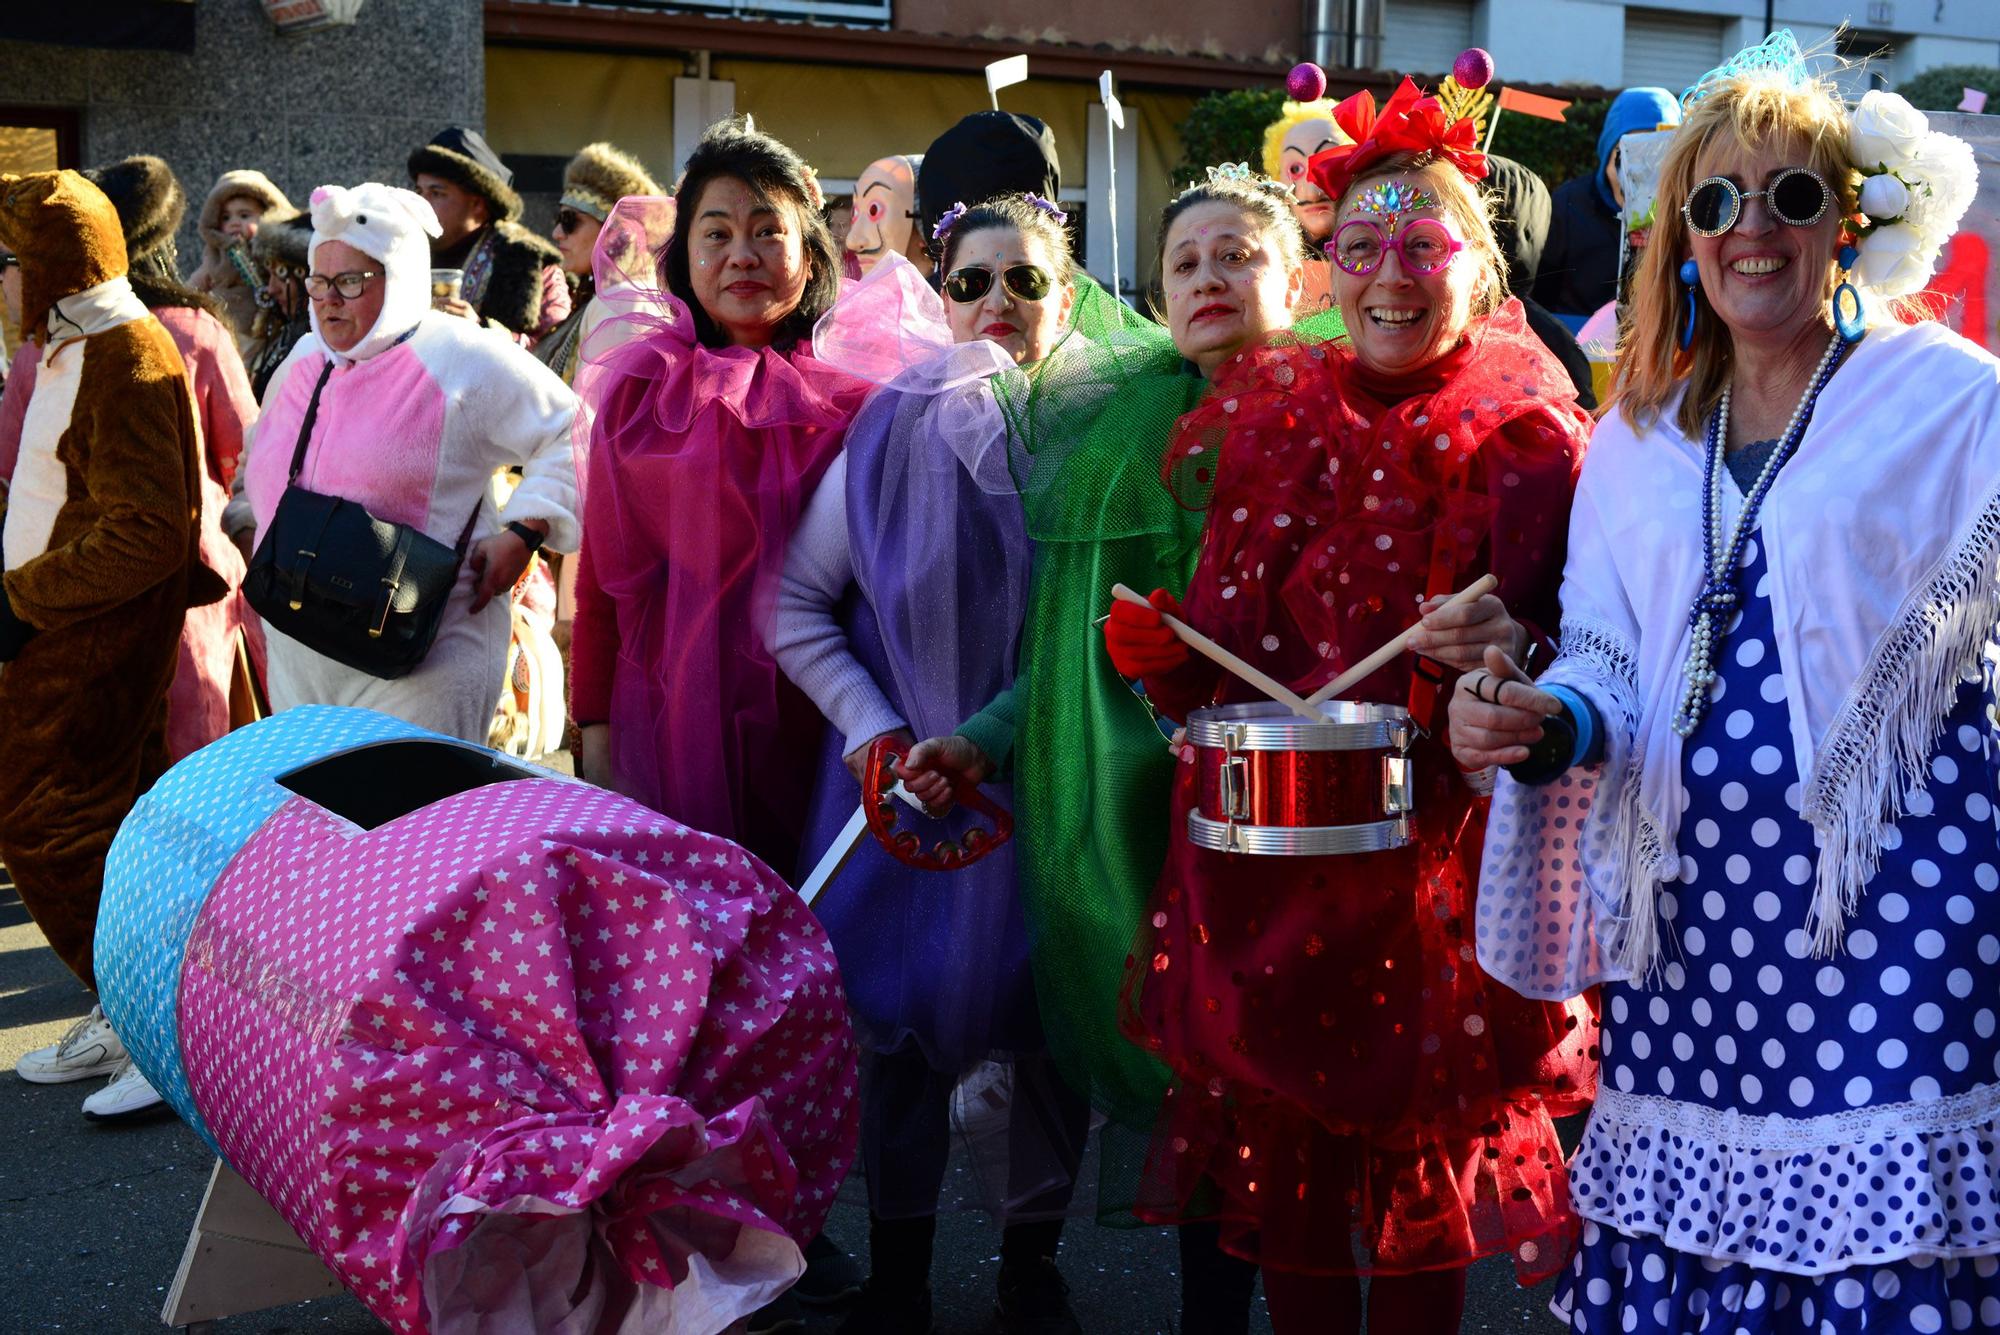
(170, 852)
(1742, 1020)
(1624, 1284)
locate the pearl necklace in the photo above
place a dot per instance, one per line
(1721, 553)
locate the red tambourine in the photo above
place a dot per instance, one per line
(904, 845)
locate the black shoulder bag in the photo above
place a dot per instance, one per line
(366, 593)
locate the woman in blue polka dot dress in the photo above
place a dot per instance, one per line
(1754, 796)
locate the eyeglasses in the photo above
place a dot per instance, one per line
(1798, 196)
(349, 284)
(8, 261)
(568, 219)
(1424, 246)
(1024, 282)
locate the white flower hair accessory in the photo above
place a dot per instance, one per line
(1916, 185)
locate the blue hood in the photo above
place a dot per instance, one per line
(1633, 109)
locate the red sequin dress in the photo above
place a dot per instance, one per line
(1353, 1094)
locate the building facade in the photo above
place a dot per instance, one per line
(215, 85)
(849, 81)
(1616, 44)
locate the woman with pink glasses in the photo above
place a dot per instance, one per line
(1352, 1095)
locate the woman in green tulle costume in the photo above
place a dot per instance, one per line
(1092, 768)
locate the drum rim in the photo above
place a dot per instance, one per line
(1269, 726)
(1297, 840)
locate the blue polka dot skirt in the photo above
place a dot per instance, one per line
(1641, 1284)
(1786, 1142)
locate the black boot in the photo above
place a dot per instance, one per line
(896, 1300)
(831, 1279)
(1216, 1287)
(1034, 1298)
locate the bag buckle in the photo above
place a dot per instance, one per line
(296, 577)
(388, 602)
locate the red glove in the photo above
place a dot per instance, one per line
(1140, 641)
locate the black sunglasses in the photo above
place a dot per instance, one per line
(1798, 196)
(1026, 282)
(8, 261)
(568, 219)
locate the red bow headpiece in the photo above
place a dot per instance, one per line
(1408, 123)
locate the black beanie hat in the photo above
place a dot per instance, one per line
(988, 153)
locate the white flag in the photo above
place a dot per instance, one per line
(1113, 108)
(1004, 74)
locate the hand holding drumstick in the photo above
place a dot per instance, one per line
(1497, 713)
(1456, 631)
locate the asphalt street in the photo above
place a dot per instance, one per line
(93, 1218)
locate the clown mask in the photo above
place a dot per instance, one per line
(885, 203)
(1313, 209)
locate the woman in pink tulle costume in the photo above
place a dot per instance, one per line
(713, 424)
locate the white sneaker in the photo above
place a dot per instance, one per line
(128, 1093)
(87, 1051)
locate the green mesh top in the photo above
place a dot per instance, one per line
(1090, 427)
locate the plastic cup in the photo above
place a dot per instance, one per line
(447, 285)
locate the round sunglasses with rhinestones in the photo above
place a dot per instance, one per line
(1797, 196)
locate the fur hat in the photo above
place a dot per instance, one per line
(150, 202)
(464, 158)
(387, 224)
(242, 183)
(283, 237)
(601, 175)
(66, 233)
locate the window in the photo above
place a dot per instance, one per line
(1878, 49)
(1669, 50)
(844, 11)
(1424, 36)
(37, 139)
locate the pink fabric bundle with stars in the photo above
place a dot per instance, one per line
(530, 1057)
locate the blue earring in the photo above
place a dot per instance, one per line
(1690, 279)
(1849, 319)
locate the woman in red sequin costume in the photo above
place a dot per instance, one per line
(1353, 1095)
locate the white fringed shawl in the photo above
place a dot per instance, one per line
(1881, 538)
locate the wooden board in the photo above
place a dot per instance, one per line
(241, 1257)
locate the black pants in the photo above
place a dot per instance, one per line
(906, 1136)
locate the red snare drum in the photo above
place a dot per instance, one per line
(1272, 782)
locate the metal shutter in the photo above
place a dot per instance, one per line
(1424, 36)
(1670, 50)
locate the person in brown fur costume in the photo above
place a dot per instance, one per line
(100, 534)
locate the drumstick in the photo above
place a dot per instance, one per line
(1395, 648)
(1214, 652)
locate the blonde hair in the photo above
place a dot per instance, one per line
(1469, 206)
(1752, 110)
(1295, 114)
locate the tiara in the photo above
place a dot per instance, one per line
(1778, 52)
(1231, 171)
